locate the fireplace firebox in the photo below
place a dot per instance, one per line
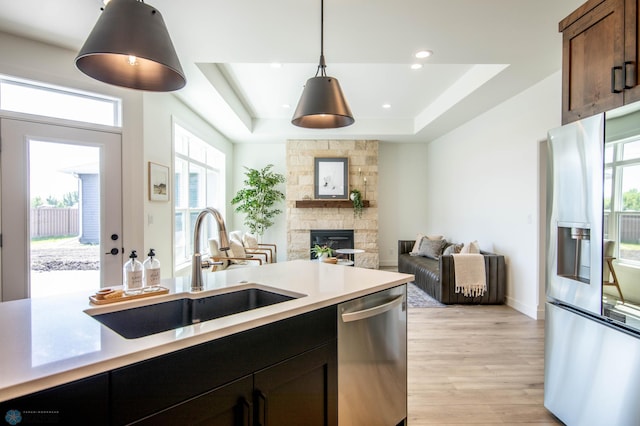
(334, 238)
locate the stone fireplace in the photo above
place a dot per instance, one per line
(332, 215)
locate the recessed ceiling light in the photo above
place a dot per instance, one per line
(276, 65)
(424, 54)
(386, 106)
(286, 106)
(416, 66)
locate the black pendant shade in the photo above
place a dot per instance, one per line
(130, 47)
(322, 104)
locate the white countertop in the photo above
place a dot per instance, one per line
(50, 341)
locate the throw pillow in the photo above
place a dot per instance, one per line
(431, 248)
(452, 249)
(416, 245)
(237, 250)
(235, 236)
(250, 241)
(214, 252)
(472, 248)
(419, 237)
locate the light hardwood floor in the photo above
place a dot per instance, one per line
(479, 365)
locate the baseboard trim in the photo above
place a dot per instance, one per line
(530, 311)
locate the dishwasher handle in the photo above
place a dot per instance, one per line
(372, 312)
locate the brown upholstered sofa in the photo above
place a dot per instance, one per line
(437, 277)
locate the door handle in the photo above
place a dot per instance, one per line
(245, 412)
(613, 79)
(372, 312)
(625, 75)
(261, 409)
(114, 251)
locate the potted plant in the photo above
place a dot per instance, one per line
(257, 198)
(322, 252)
(358, 204)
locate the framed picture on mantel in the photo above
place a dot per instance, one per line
(331, 178)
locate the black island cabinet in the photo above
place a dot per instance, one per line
(283, 373)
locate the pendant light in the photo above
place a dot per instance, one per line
(130, 47)
(322, 104)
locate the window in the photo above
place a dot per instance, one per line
(622, 198)
(198, 183)
(51, 101)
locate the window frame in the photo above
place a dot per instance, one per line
(213, 194)
(613, 216)
(114, 119)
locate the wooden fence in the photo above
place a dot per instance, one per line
(54, 222)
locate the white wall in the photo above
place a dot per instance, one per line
(404, 201)
(258, 156)
(483, 179)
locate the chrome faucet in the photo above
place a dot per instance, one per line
(196, 263)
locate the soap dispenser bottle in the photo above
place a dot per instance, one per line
(151, 269)
(132, 274)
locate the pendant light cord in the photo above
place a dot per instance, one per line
(322, 66)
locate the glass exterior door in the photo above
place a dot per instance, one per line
(60, 209)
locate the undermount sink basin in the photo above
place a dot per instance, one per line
(145, 320)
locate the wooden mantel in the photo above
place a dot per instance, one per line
(310, 204)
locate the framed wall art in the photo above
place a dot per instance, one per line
(331, 179)
(158, 182)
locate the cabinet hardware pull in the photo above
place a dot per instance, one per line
(262, 408)
(613, 79)
(625, 75)
(371, 312)
(245, 412)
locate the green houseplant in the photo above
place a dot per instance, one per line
(322, 252)
(358, 204)
(257, 199)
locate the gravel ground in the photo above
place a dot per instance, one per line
(64, 255)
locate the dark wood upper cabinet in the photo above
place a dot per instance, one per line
(632, 50)
(599, 58)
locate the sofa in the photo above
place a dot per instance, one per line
(436, 277)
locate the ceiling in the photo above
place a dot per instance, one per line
(484, 52)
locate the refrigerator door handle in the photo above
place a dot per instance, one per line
(371, 312)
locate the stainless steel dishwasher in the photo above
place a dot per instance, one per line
(372, 359)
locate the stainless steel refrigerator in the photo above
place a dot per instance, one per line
(592, 339)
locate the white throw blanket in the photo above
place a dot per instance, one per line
(471, 278)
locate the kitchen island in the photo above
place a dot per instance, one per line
(54, 341)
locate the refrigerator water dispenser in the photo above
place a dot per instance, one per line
(574, 252)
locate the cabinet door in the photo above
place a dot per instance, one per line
(228, 405)
(632, 51)
(593, 61)
(83, 402)
(300, 391)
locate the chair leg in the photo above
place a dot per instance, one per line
(615, 278)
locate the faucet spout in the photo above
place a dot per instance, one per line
(196, 264)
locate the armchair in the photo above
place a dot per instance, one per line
(250, 245)
(229, 262)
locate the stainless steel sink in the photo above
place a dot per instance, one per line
(141, 321)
